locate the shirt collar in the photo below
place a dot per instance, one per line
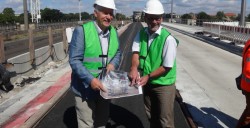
(99, 30)
(158, 32)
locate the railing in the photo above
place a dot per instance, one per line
(228, 31)
(31, 35)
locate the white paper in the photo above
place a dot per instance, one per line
(69, 33)
(117, 85)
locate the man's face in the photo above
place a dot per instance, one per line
(153, 22)
(104, 16)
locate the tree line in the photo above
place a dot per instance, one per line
(220, 16)
(48, 15)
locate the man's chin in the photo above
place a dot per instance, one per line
(106, 24)
(154, 29)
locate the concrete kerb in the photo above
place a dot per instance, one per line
(34, 119)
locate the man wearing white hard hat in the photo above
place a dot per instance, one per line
(154, 56)
(94, 48)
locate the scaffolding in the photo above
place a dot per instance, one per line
(35, 10)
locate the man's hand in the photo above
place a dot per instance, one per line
(134, 76)
(110, 67)
(97, 85)
(143, 80)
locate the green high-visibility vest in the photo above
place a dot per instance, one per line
(151, 58)
(93, 51)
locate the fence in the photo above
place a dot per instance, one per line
(38, 54)
(31, 35)
(228, 31)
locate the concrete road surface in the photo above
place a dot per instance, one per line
(205, 80)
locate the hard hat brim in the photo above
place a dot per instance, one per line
(154, 13)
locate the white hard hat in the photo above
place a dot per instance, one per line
(106, 3)
(154, 7)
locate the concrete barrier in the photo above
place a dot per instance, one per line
(23, 67)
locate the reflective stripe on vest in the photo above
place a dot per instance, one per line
(92, 48)
(88, 59)
(245, 79)
(151, 59)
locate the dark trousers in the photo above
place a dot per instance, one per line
(244, 120)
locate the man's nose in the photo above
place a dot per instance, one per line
(109, 16)
(154, 20)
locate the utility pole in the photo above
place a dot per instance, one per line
(25, 11)
(243, 13)
(172, 11)
(80, 17)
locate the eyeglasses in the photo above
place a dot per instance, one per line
(154, 17)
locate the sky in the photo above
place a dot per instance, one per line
(128, 6)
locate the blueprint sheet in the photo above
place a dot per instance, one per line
(117, 85)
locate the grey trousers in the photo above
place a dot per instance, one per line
(92, 113)
(159, 105)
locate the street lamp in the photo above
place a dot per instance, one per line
(172, 11)
(25, 12)
(80, 17)
(243, 13)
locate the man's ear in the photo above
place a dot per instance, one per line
(95, 13)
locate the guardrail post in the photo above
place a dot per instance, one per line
(219, 31)
(51, 43)
(2, 54)
(31, 47)
(65, 43)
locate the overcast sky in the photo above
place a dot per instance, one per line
(128, 6)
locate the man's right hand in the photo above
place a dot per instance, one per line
(134, 76)
(97, 85)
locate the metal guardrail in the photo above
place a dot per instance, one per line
(236, 34)
(218, 43)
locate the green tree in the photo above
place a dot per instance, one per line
(71, 17)
(120, 16)
(8, 15)
(186, 16)
(1, 19)
(202, 17)
(238, 17)
(20, 18)
(51, 15)
(248, 17)
(168, 16)
(92, 16)
(85, 16)
(220, 15)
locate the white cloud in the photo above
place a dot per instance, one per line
(128, 6)
(14, 1)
